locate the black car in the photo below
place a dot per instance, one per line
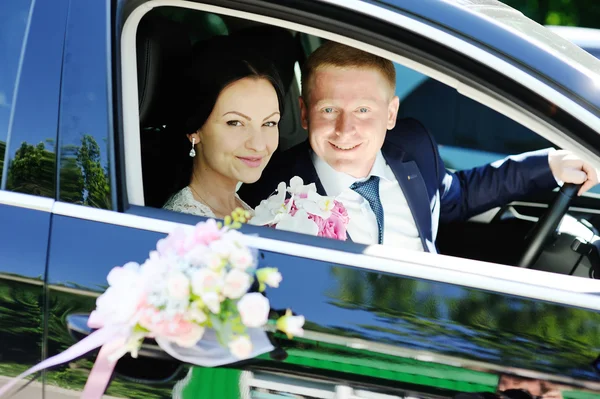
(87, 93)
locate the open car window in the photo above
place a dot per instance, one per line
(469, 133)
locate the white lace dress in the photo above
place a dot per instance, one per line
(184, 202)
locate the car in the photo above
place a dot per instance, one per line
(88, 93)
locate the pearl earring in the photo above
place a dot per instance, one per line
(193, 151)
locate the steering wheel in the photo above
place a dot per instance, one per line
(547, 224)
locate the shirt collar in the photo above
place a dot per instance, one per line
(335, 182)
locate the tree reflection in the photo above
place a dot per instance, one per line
(83, 180)
(470, 323)
(32, 170)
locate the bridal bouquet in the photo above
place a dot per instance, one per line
(191, 296)
(304, 211)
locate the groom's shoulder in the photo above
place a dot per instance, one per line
(411, 135)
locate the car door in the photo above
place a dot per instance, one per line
(379, 324)
(31, 44)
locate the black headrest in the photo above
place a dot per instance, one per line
(163, 51)
(275, 44)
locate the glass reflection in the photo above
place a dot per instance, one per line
(14, 17)
(73, 375)
(21, 328)
(85, 114)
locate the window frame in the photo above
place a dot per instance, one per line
(464, 272)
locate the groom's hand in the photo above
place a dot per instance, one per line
(569, 168)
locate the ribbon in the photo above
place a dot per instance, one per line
(102, 371)
(94, 340)
(208, 352)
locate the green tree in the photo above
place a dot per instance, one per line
(584, 13)
(32, 170)
(2, 151)
(95, 178)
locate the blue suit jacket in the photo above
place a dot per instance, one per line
(433, 194)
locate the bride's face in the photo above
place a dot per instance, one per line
(242, 132)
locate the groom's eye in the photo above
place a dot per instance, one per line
(234, 123)
(328, 110)
(363, 110)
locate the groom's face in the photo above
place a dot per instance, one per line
(347, 114)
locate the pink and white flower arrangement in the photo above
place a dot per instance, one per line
(192, 282)
(191, 296)
(304, 211)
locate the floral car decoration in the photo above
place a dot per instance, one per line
(192, 295)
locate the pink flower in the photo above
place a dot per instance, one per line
(241, 347)
(207, 232)
(254, 310)
(335, 225)
(176, 329)
(236, 284)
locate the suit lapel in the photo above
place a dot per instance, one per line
(413, 186)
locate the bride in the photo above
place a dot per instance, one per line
(235, 106)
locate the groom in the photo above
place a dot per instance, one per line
(394, 184)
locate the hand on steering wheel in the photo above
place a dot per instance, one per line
(547, 224)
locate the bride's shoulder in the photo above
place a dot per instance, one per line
(183, 201)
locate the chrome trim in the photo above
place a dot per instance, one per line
(26, 201)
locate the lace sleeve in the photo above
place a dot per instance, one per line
(184, 202)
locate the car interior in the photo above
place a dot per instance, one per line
(522, 234)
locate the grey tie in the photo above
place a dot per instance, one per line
(369, 189)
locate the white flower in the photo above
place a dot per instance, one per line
(196, 315)
(272, 209)
(212, 302)
(269, 276)
(236, 284)
(119, 304)
(297, 187)
(241, 258)
(291, 325)
(254, 310)
(178, 286)
(205, 280)
(214, 261)
(223, 247)
(318, 205)
(241, 347)
(299, 223)
(198, 255)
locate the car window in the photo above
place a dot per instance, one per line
(14, 17)
(468, 133)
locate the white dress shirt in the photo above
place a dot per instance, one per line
(399, 228)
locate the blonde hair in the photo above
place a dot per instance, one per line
(342, 56)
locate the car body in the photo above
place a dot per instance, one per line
(81, 125)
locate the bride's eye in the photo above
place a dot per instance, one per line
(234, 123)
(270, 124)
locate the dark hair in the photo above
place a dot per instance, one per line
(215, 64)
